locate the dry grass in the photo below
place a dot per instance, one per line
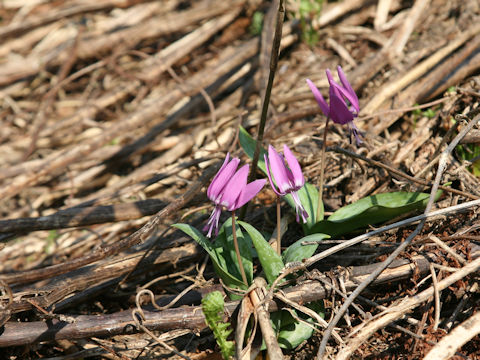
(116, 113)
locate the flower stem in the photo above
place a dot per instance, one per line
(237, 250)
(277, 26)
(322, 172)
(279, 236)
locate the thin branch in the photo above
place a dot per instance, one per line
(401, 173)
(395, 312)
(189, 317)
(111, 249)
(441, 168)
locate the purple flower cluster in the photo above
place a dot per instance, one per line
(344, 106)
(229, 188)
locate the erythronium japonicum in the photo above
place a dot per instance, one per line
(285, 180)
(344, 107)
(229, 189)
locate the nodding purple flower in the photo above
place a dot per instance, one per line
(344, 106)
(229, 189)
(286, 180)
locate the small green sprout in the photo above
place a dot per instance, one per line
(213, 307)
(257, 23)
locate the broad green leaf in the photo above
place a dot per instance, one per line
(291, 332)
(223, 247)
(244, 245)
(221, 270)
(248, 144)
(294, 334)
(372, 210)
(298, 252)
(271, 262)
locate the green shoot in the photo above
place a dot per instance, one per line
(213, 307)
(257, 23)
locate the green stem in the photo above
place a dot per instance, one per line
(266, 100)
(279, 236)
(237, 250)
(322, 172)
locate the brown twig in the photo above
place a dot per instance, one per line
(441, 168)
(397, 172)
(18, 333)
(409, 303)
(111, 249)
(83, 216)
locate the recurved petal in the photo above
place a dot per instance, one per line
(348, 87)
(249, 192)
(270, 178)
(234, 187)
(331, 81)
(352, 98)
(225, 162)
(340, 112)
(279, 170)
(221, 179)
(294, 166)
(318, 96)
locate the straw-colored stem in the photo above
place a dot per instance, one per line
(322, 172)
(237, 250)
(279, 227)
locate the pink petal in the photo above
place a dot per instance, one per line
(340, 112)
(249, 192)
(234, 187)
(294, 166)
(330, 79)
(272, 183)
(221, 179)
(353, 96)
(279, 170)
(318, 96)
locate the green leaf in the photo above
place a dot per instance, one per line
(372, 210)
(224, 254)
(271, 262)
(290, 332)
(294, 334)
(244, 245)
(248, 144)
(298, 252)
(214, 253)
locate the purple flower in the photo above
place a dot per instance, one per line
(344, 106)
(286, 180)
(229, 189)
